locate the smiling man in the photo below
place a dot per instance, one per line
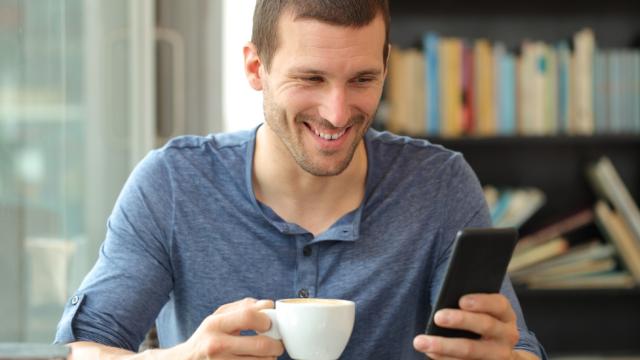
(312, 203)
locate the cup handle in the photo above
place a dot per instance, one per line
(273, 331)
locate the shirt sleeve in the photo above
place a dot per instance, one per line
(120, 298)
(467, 208)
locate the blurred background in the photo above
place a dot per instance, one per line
(87, 88)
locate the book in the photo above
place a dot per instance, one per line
(406, 91)
(584, 43)
(483, 78)
(505, 90)
(570, 270)
(564, 63)
(600, 92)
(430, 43)
(612, 280)
(615, 230)
(516, 206)
(451, 87)
(551, 91)
(608, 184)
(538, 253)
(468, 94)
(564, 226)
(589, 251)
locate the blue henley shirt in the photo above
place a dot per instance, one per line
(187, 235)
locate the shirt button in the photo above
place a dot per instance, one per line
(303, 293)
(306, 251)
(74, 300)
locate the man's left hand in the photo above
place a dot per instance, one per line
(489, 315)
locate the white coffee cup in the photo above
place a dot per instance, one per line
(312, 329)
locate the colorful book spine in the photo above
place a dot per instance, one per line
(600, 92)
(484, 109)
(564, 63)
(507, 107)
(431, 44)
(468, 94)
(451, 86)
(584, 43)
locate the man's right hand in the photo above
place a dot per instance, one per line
(217, 337)
(219, 334)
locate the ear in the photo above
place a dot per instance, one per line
(386, 62)
(252, 65)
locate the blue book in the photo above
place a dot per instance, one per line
(431, 43)
(507, 109)
(600, 92)
(499, 52)
(501, 206)
(626, 91)
(615, 102)
(564, 63)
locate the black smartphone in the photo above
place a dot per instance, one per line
(478, 264)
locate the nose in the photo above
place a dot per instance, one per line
(334, 107)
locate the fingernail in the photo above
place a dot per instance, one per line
(442, 317)
(264, 303)
(423, 343)
(468, 302)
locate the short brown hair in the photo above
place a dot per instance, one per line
(353, 13)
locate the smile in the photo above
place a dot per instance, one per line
(330, 136)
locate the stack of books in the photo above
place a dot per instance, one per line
(547, 259)
(454, 87)
(512, 207)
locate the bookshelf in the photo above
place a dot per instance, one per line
(568, 322)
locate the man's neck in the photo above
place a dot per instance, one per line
(313, 202)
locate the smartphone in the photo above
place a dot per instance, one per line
(478, 264)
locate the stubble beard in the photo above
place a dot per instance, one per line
(276, 119)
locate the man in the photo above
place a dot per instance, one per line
(311, 204)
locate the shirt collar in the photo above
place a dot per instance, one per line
(347, 228)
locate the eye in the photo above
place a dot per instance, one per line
(363, 80)
(313, 79)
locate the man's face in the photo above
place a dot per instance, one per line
(323, 89)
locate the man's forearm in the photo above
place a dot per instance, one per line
(85, 350)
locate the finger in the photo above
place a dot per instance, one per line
(441, 347)
(264, 304)
(244, 319)
(483, 324)
(236, 305)
(497, 305)
(262, 346)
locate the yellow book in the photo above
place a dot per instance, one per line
(538, 253)
(484, 88)
(451, 86)
(415, 123)
(551, 92)
(617, 232)
(584, 44)
(395, 91)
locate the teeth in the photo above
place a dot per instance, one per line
(329, 136)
